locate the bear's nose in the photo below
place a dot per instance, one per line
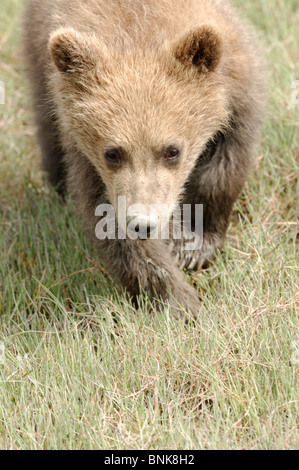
(141, 226)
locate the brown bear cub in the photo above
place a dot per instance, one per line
(155, 101)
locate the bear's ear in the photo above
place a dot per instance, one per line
(71, 51)
(201, 48)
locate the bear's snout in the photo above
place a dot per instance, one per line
(141, 226)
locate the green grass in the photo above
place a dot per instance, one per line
(82, 369)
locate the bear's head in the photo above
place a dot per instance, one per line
(142, 117)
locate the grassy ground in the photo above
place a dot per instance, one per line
(82, 368)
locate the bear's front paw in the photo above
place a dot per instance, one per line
(168, 289)
(195, 259)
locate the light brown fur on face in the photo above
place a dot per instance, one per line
(117, 109)
(141, 77)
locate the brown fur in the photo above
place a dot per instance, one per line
(141, 75)
(201, 48)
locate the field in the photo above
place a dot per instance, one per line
(81, 369)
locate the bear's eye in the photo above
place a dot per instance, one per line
(113, 156)
(171, 153)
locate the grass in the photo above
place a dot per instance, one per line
(83, 369)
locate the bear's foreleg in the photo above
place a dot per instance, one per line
(215, 183)
(146, 266)
(140, 266)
